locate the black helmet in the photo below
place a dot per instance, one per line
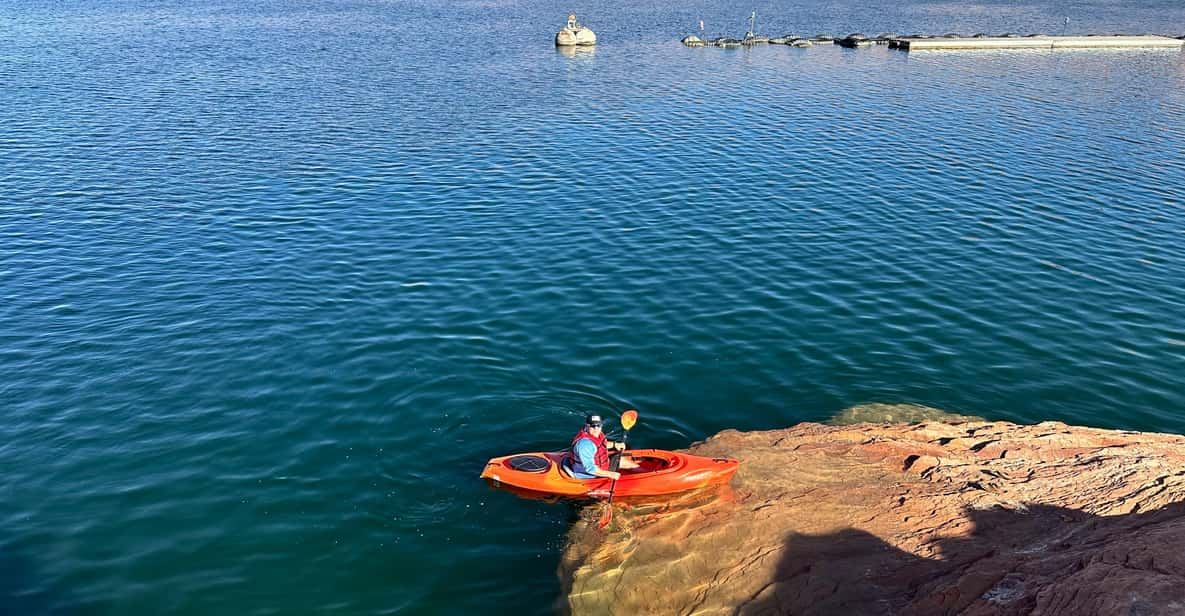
(593, 420)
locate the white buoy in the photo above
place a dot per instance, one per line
(574, 34)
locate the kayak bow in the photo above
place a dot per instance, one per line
(659, 472)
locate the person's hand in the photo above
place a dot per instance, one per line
(614, 475)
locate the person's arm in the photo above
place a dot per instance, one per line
(588, 456)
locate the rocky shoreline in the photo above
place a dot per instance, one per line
(942, 516)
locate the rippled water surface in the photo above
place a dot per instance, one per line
(278, 277)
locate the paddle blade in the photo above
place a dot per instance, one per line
(606, 516)
(629, 418)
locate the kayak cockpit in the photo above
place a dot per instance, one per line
(646, 464)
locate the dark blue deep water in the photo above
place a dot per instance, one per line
(277, 277)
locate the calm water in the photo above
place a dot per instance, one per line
(278, 277)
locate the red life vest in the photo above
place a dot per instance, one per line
(602, 457)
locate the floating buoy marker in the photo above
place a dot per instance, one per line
(574, 34)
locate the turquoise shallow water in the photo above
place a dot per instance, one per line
(278, 278)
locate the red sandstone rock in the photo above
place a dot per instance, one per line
(971, 518)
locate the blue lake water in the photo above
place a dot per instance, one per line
(276, 278)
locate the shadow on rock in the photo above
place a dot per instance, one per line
(1029, 560)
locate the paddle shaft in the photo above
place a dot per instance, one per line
(624, 440)
(608, 515)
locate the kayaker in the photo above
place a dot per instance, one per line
(590, 452)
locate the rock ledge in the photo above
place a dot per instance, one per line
(929, 518)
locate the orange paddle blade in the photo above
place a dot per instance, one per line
(629, 418)
(606, 517)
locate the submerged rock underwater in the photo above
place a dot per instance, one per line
(942, 516)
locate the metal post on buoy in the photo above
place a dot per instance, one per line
(752, 25)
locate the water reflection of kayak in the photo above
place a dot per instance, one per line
(659, 472)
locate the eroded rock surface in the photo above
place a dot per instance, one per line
(931, 518)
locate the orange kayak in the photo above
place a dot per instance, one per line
(658, 472)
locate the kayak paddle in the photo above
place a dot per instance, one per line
(628, 419)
